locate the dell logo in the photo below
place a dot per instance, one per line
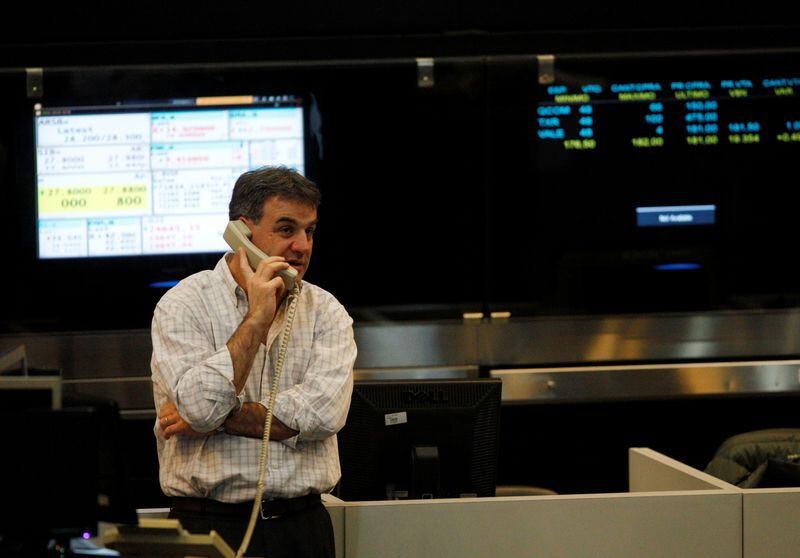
(425, 396)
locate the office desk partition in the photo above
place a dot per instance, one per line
(680, 512)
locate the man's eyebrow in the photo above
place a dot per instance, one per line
(293, 221)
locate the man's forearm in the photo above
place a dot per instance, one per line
(243, 346)
(249, 422)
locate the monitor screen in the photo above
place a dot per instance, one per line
(655, 183)
(138, 178)
(420, 439)
(620, 151)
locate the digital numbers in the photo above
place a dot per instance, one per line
(703, 140)
(580, 144)
(787, 137)
(687, 114)
(129, 200)
(648, 142)
(98, 199)
(744, 138)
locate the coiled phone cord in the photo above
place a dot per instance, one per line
(262, 464)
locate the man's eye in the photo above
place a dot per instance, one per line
(310, 232)
(285, 230)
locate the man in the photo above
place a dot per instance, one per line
(214, 351)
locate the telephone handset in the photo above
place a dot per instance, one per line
(238, 235)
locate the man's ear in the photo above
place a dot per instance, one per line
(250, 224)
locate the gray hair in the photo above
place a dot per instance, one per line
(255, 187)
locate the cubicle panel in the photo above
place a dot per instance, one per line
(336, 510)
(771, 517)
(650, 471)
(703, 524)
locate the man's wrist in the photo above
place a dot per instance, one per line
(258, 320)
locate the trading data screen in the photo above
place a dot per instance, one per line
(643, 166)
(663, 115)
(153, 178)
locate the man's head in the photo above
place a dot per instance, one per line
(279, 206)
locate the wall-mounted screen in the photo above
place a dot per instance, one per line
(150, 178)
(656, 182)
(740, 111)
(680, 167)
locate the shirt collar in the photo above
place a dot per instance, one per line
(231, 286)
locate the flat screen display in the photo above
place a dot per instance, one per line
(668, 175)
(155, 177)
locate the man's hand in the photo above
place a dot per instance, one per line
(263, 286)
(172, 424)
(249, 422)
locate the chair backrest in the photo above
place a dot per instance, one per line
(763, 458)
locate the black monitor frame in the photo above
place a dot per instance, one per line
(127, 286)
(387, 445)
(64, 472)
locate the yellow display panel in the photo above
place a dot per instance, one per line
(81, 199)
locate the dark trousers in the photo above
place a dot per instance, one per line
(306, 533)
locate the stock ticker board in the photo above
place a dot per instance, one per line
(659, 115)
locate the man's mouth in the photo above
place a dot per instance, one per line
(297, 264)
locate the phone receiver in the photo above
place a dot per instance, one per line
(238, 235)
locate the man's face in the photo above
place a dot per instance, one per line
(286, 229)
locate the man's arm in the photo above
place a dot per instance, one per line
(317, 407)
(172, 424)
(263, 288)
(249, 422)
(320, 403)
(188, 371)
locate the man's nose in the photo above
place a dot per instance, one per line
(300, 243)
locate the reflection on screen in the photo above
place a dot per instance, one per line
(153, 178)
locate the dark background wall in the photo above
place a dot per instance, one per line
(413, 178)
(157, 32)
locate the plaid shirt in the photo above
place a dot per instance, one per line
(191, 367)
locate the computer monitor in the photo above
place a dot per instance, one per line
(22, 393)
(62, 472)
(153, 178)
(420, 439)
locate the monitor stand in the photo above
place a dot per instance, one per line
(425, 472)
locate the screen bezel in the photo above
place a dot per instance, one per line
(126, 287)
(151, 106)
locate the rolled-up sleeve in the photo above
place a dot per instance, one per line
(317, 407)
(188, 369)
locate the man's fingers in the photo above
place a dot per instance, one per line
(167, 420)
(179, 427)
(270, 266)
(244, 265)
(275, 283)
(167, 409)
